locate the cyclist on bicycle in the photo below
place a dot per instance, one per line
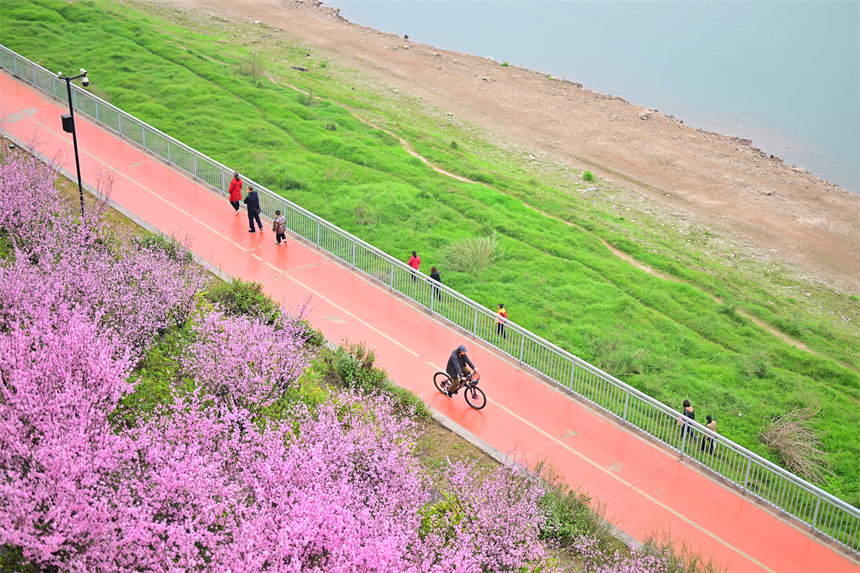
(457, 369)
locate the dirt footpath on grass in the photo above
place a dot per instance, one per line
(719, 181)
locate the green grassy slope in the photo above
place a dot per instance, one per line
(683, 332)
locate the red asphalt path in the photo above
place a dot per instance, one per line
(645, 488)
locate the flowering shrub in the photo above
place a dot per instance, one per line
(246, 361)
(635, 561)
(137, 290)
(59, 376)
(491, 522)
(28, 194)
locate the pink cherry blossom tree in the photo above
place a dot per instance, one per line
(245, 361)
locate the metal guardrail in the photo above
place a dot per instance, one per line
(750, 472)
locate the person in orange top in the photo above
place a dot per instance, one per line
(235, 191)
(415, 262)
(501, 320)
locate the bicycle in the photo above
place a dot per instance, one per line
(475, 397)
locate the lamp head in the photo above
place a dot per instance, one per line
(84, 79)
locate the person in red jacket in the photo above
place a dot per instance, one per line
(235, 191)
(414, 262)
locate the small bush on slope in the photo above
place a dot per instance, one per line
(245, 361)
(238, 297)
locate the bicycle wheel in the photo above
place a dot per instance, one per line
(475, 397)
(441, 381)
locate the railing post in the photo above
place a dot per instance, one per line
(391, 276)
(747, 475)
(119, 122)
(143, 136)
(353, 254)
(815, 513)
(318, 234)
(522, 346)
(168, 153)
(683, 439)
(626, 401)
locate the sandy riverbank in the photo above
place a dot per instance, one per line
(717, 180)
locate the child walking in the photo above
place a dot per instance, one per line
(279, 226)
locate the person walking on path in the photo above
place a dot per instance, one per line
(252, 200)
(712, 426)
(501, 319)
(436, 277)
(279, 226)
(688, 413)
(414, 262)
(235, 191)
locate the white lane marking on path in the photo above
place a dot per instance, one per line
(633, 487)
(357, 319)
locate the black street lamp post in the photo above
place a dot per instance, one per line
(69, 126)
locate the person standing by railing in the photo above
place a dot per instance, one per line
(501, 319)
(235, 191)
(712, 426)
(688, 413)
(414, 262)
(436, 277)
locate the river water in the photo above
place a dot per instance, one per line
(781, 73)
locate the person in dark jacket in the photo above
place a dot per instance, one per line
(458, 368)
(235, 191)
(435, 276)
(252, 200)
(688, 413)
